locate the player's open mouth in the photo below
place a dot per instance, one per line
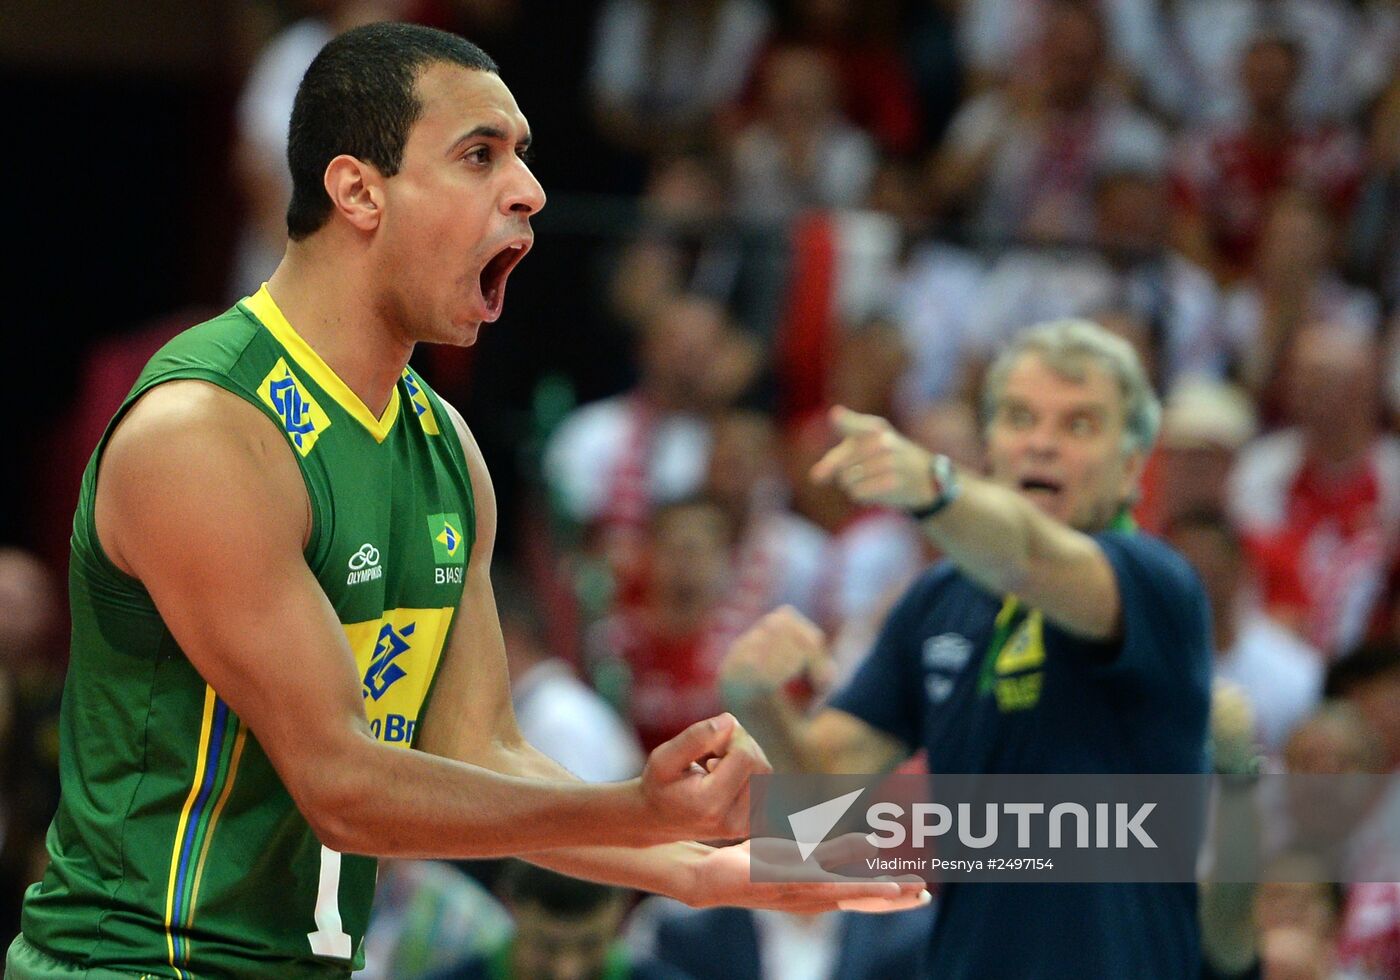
(495, 273)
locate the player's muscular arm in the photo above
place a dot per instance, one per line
(471, 719)
(200, 498)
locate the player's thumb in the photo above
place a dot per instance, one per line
(704, 738)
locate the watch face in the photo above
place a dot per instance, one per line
(947, 476)
(943, 473)
(945, 487)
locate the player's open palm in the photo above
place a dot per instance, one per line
(698, 783)
(771, 874)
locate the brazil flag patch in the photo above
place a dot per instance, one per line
(446, 532)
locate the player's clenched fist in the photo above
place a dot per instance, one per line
(874, 464)
(697, 784)
(781, 647)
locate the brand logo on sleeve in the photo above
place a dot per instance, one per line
(944, 656)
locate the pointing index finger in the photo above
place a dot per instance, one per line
(849, 423)
(829, 465)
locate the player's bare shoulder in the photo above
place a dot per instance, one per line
(484, 494)
(190, 450)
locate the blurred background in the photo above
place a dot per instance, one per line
(757, 209)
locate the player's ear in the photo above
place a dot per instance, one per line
(355, 190)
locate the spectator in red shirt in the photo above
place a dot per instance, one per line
(670, 644)
(1205, 423)
(1227, 175)
(1319, 503)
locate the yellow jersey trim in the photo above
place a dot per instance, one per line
(205, 729)
(262, 306)
(238, 744)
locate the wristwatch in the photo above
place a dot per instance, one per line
(945, 487)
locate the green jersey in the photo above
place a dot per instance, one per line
(176, 850)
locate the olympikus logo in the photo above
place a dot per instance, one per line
(364, 565)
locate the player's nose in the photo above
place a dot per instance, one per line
(526, 196)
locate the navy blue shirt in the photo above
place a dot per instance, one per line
(1052, 703)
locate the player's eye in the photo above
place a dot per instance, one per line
(479, 154)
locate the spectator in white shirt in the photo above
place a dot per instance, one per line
(800, 152)
(1021, 160)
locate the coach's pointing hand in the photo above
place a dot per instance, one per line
(874, 464)
(698, 782)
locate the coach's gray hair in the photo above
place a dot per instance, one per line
(1066, 346)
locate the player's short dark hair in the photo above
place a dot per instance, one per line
(358, 98)
(558, 895)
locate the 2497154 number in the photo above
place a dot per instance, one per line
(1020, 864)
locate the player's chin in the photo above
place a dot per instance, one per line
(468, 333)
(462, 330)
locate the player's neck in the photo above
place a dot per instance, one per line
(326, 304)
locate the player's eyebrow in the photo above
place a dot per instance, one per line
(487, 131)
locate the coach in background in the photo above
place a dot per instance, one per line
(1052, 639)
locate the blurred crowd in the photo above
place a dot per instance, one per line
(782, 206)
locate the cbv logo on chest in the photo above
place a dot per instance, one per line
(382, 671)
(397, 655)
